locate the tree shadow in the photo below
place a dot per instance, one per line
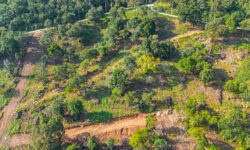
(164, 28)
(220, 77)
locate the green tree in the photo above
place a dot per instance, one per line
(161, 144)
(189, 106)
(73, 83)
(216, 28)
(110, 143)
(73, 147)
(146, 63)
(199, 138)
(91, 143)
(46, 39)
(206, 75)
(119, 79)
(232, 86)
(142, 139)
(54, 50)
(150, 121)
(148, 27)
(94, 15)
(48, 135)
(75, 109)
(129, 63)
(57, 108)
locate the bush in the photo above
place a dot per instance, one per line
(73, 83)
(110, 143)
(14, 127)
(129, 63)
(161, 144)
(91, 143)
(119, 79)
(130, 98)
(146, 63)
(153, 47)
(73, 147)
(150, 121)
(199, 138)
(206, 75)
(189, 106)
(232, 86)
(54, 50)
(75, 109)
(143, 139)
(57, 108)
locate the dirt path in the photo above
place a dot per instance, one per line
(119, 128)
(32, 56)
(167, 122)
(189, 33)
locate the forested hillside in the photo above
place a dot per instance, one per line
(124, 74)
(25, 15)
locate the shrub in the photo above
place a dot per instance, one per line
(130, 98)
(189, 106)
(54, 50)
(232, 86)
(199, 138)
(146, 63)
(73, 147)
(161, 144)
(206, 75)
(150, 121)
(110, 143)
(91, 143)
(75, 109)
(119, 79)
(129, 63)
(73, 83)
(142, 139)
(14, 127)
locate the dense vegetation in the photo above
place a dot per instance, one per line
(27, 15)
(124, 62)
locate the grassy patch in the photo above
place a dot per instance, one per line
(14, 127)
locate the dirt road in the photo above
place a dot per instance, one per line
(189, 33)
(33, 54)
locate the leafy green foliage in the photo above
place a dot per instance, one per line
(189, 106)
(110, 143)
(75, 109)
(48, 135)
(73, 83)
(129, 63)
(146, 63)
(150, 121)
(94, 15)
(148, 27)
(73, 147)
(119, 79)
(239, 85)
(142, 139)
(14, 127)
(55, 50)
(206, 75)
(199, 138)
(91, 143)
(153, 47)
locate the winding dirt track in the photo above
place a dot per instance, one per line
(33, 54)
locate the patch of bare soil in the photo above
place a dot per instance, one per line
(167, 124)
(189, 33)
(33, 54)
